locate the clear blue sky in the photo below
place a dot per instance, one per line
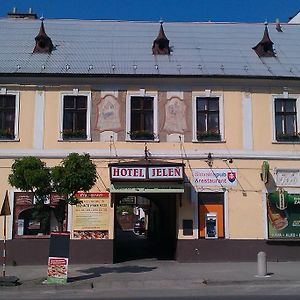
(168, 10)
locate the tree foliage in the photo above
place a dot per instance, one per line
(31, 174)
(76, 173)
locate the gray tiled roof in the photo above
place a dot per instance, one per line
(125, 48)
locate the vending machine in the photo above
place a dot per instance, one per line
(211, 228)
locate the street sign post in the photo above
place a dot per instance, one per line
(5, 211)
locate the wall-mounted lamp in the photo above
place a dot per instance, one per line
(209, 160)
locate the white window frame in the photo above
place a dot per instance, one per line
(196, 95)
(88, 112)
(284, 96)
(142, 93)
(3, 91)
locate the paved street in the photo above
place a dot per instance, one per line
(159, 279)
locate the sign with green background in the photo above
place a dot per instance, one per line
(284, 223)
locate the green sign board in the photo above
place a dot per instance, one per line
(284, 223)
(147, 187)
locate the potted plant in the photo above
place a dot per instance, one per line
(69, 134)
(209, 135)
(288, 137)
(142, 135)
(6, 134)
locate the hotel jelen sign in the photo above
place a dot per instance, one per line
(147, 172)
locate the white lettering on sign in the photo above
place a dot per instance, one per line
(166, 172)
(215, 177)
(128, 172)
(287, 177)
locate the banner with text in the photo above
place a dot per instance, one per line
(91, 216)
(215, 177)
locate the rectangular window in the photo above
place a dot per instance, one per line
(75, 110)
(7, 117)
(207, 119)
(286, 120)
(142, 118)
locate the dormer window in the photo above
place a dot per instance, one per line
(161, 43)
(265, 47)
(43, 42)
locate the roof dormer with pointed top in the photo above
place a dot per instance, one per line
(265, 47)
(43, 43)
(161, 43)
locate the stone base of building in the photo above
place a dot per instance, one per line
(36, 251)
(236, 250)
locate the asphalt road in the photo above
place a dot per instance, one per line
(219, 297)
(246, 292)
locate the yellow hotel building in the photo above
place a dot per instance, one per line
(193, 128)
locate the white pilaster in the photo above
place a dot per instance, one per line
(38, 136)
(247, 122)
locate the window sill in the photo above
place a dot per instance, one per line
(142, 141)
(75, 140)
(209, 142)
(8, 140)
(285, 142)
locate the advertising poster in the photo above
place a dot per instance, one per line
(57, 270)
(91, 216)
(215, 177)
(284, 223)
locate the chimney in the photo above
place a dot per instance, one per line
(19, 15)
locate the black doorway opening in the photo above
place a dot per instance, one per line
(145, 226)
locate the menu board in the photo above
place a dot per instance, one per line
(91, 216)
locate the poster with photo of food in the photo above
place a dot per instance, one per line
(90, 234)
(57, 270)
(91, 216)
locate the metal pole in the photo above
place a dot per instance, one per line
(4, 246)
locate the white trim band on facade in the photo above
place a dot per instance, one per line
(155, 154)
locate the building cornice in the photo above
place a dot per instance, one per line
(155, 154)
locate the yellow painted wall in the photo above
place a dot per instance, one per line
(245, 212)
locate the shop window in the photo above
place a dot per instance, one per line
(208, 118)
(286, 128)
(211, 215)
(8, 116)
(28, 222)
(142, 118)
(75, 117)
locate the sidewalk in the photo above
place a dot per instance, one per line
(155, 274)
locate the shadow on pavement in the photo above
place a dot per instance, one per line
(97, 272)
